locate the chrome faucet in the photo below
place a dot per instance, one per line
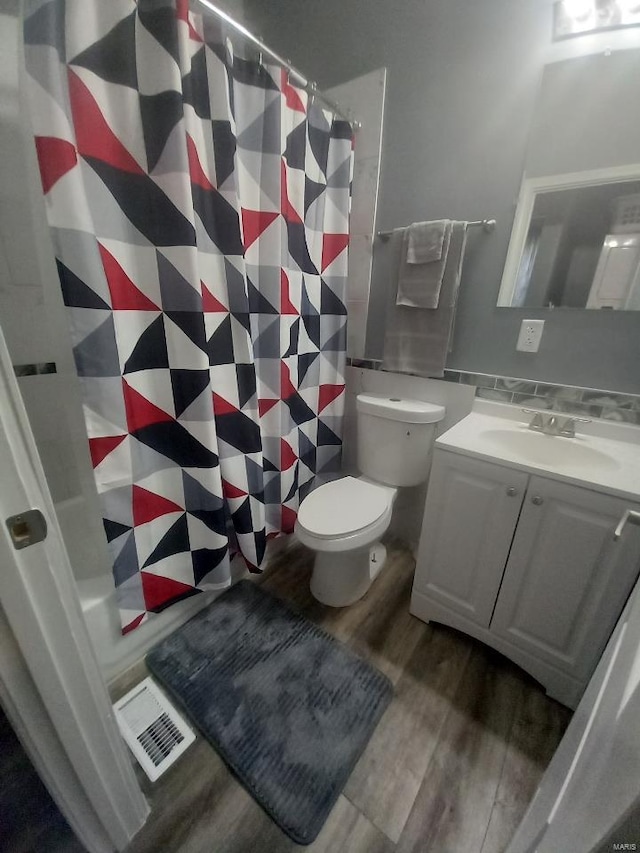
(551, 423)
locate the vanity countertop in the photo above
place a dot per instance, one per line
(604, 457)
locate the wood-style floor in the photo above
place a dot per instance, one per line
(450, 768)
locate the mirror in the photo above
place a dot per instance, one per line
(577, 246)
(576, 235)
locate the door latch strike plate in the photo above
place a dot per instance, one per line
(27, 528)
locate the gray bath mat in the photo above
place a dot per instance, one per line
(288, 707)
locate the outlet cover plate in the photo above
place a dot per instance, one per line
(530, 335)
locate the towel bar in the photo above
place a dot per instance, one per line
(487, 225)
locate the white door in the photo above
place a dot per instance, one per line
(567, 579)
(469, 520)
(591, 789)
(50, 683)
(615, 282)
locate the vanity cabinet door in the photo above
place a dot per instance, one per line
(567, 579)
(470, 516)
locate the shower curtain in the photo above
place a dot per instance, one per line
(198, 204)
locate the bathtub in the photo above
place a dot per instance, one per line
(116, 652)
(86, 546)
(84, 539)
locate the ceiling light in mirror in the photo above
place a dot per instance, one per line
(576, 17)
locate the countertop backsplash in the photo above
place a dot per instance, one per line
(587, 402)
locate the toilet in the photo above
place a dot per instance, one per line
(343, 520)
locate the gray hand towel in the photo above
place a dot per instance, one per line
(425, 242)
(420, 282)
(417, 340)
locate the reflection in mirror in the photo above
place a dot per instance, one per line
(575, 241)
(582, 249)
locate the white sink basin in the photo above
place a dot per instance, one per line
(605, 456)
(548, 450)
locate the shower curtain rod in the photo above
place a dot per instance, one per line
(308, 85)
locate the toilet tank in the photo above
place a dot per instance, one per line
(395, 438)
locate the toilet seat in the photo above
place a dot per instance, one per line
(344, 508)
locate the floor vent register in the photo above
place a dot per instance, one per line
(152, 728)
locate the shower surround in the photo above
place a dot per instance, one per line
(198, 204)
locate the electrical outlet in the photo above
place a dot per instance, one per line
(530, 334)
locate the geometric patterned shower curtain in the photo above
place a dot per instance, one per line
(198, 204)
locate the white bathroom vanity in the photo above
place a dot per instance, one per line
(519, 547)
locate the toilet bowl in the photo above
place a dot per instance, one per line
(343, 520)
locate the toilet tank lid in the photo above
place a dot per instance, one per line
(400, 409)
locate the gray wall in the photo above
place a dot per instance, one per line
(587, 115)
(462, 84)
